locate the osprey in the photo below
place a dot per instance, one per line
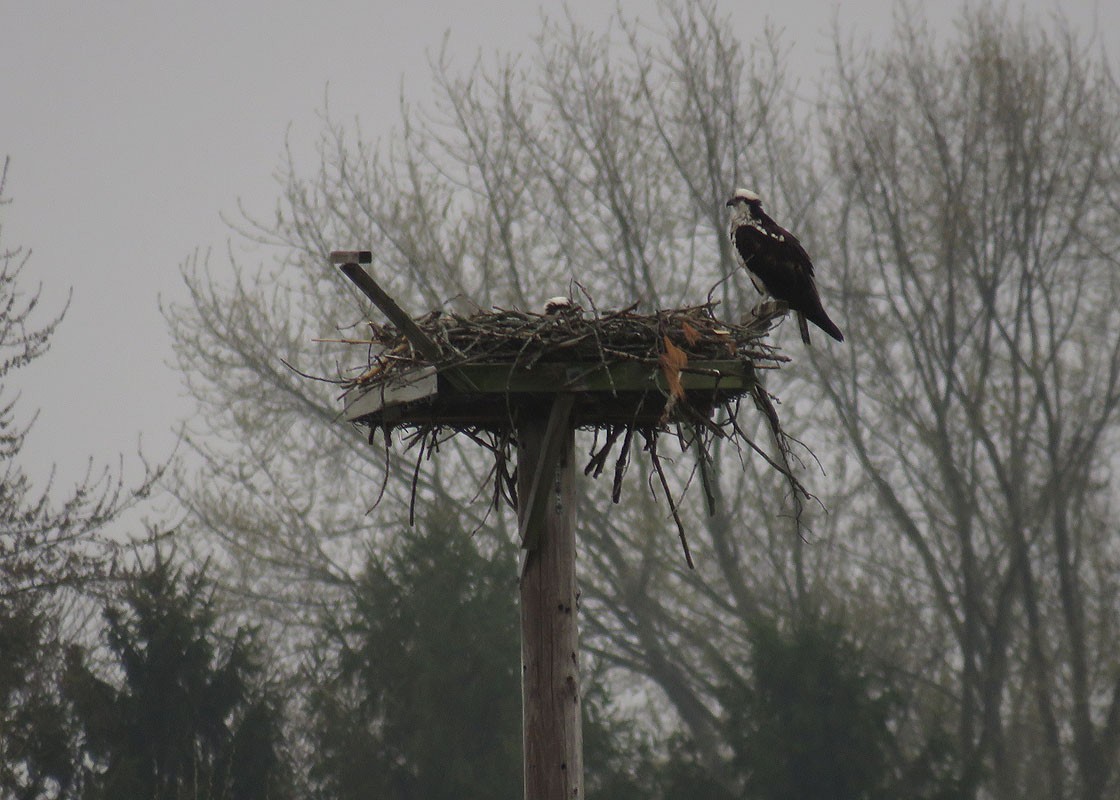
(777, 263)
(557, 305)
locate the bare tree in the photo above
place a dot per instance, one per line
(977, 236)
(45, 541)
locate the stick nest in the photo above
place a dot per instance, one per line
(526, 339)
(670, 340)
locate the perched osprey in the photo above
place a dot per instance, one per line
(777, 263)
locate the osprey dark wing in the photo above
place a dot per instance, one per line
(783, 266)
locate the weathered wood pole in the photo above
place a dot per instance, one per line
(553, 736)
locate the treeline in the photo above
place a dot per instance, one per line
(411, 692)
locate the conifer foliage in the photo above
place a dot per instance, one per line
(188, 716)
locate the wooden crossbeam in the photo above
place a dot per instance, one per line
(535, 505)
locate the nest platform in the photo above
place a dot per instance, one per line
(628, 376)
(621, 367)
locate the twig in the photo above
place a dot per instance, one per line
(651, 446)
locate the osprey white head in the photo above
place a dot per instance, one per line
(558, 305)
(742, 195)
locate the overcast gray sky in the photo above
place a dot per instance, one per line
(132, 125)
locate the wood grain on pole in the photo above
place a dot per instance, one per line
(553, 746)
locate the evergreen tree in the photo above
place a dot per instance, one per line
(416, 692)
(618, 755)
(35, 755)
(808, 723)
(815, 721)
(184, 715)
(424, 699)
(681, 776)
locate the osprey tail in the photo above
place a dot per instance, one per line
(821, 320)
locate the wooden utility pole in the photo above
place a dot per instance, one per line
(553, 744)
